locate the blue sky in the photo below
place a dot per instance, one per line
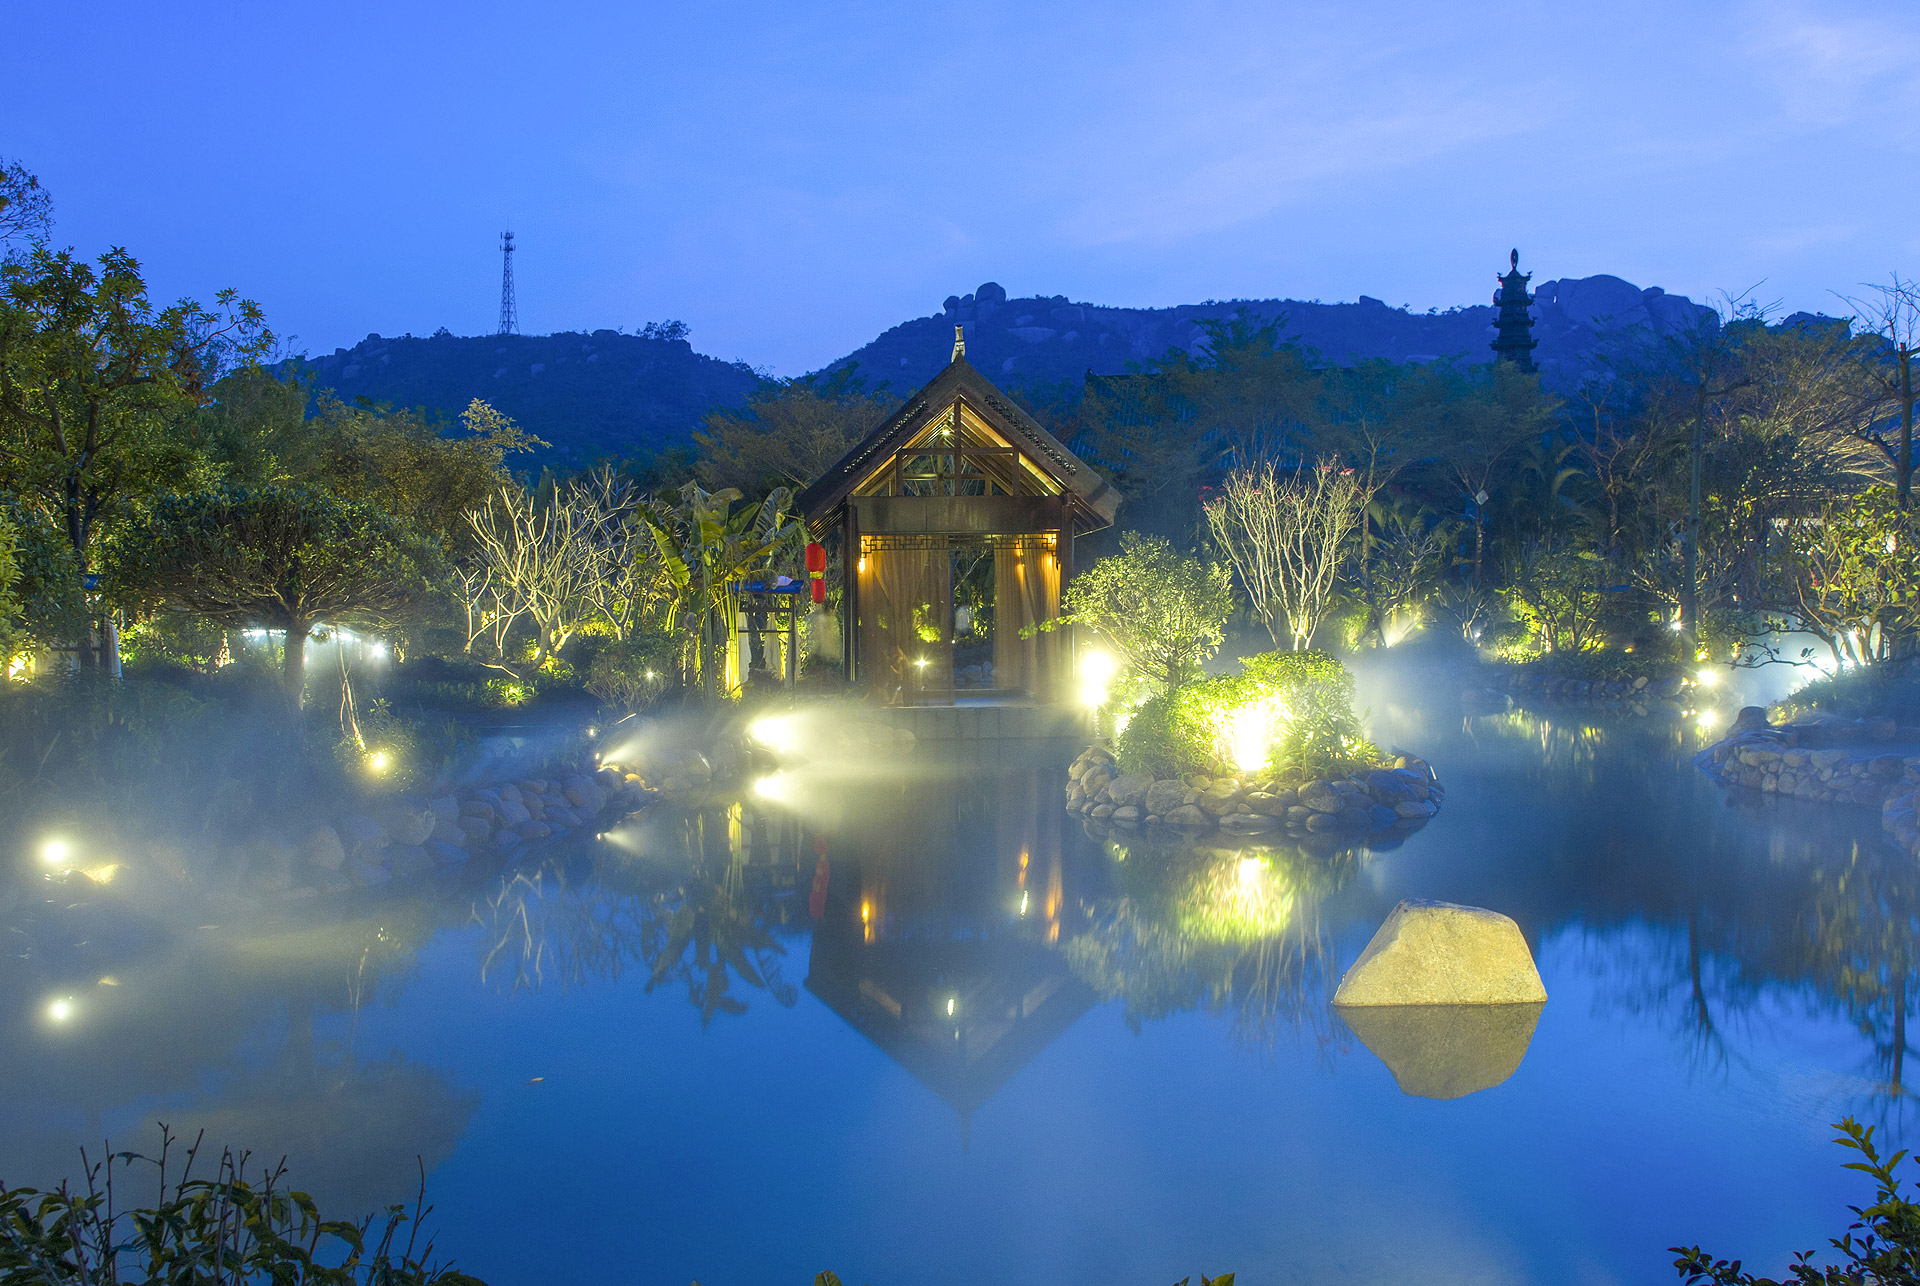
(792, 179)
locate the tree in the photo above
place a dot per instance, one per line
(93, 377)
(709, 543)
(1477, 421)
(791, 432)
(1166, 430)
(1288, 537)
(1892, 318)
(279, 558)
(26, 209)
(1164, 613)
(1851, 577)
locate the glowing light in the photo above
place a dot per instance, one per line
(922, 662)
(377, 651)
(1676, 626)
(951, 1005)
(55, 852)
(109, 981)
(1023, 902)
(774, 733)
(1251, 732)
(1250, 869)
(378, 761)
(60, 1010)
(1707, 719)
(1097, 669)
(866, 912)
(104, 874)
(651, 676)
(773, 787)
(863, 563)
(1707, 678)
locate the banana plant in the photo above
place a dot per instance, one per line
(709, 543)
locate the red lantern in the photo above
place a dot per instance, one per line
(816, 558)
(819, 591)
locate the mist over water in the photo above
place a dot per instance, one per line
(896, 1013)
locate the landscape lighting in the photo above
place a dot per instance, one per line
(378, 761)
(1707, 678)
(772, 787)
(1251, 731)
(773, 733)
(60, 1010)
(1097, 669)
(55, 852)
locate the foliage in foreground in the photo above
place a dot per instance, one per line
(225, 1228)
(1886, 1251)
(1162, 612)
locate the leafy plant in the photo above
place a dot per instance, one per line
(231, 1227)
(1885, 1253)
(1162, 612)
(1300, 705)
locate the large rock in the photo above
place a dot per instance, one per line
(1164, 796)
(1445, 1051)
(1130, 790)
(1437, 953)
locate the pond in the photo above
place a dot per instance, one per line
(915, 1024)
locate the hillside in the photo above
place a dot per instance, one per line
(1046, 339)
(610, 392)
(587, 395)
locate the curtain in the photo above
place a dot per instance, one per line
(906, 624)
(1026, 593)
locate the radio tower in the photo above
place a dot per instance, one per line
(509, 312)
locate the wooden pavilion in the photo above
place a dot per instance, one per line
(957, 520)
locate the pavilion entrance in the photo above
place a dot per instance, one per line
(946, 616)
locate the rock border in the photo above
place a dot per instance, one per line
(1823, 759)
(1404, 795)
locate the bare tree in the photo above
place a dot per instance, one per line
(1893, 314)
(1287, 536)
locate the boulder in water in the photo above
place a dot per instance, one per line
(1437, 953)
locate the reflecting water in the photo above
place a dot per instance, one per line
(917, 1024)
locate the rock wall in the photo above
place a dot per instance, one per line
(1403, 796)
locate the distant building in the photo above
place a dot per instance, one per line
(1513, 339)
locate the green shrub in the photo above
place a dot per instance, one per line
(1886, 1253)
(633, 673)
(1289, 711)
(230, 1226)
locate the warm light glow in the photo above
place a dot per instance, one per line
(378, 761)
(951, 1005)
(1251, 731)
(771, 787)
(55, 852)
(1707, 678)
(60, 1010)
(1677, 626)
(863, 563)
(866, 912)
(377, 651)
(1250, 869)
(774, 733)
(1707, 719)
(922, 662)
(1023, 902)
(1097, 669)
(651, 676)
(104, 874)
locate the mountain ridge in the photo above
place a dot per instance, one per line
(604, 392)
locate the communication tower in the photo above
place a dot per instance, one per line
(509, 311)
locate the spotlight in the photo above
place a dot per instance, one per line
(378, 761)
(55, 852)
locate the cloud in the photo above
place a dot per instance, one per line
(1837, 64)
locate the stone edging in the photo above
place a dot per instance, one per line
(1405, 795)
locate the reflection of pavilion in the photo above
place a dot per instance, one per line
(937, 942)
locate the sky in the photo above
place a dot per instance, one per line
(791, 180)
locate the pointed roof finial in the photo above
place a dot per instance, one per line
(1514, 259)
(959, 342)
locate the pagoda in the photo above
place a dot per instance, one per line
(1513, 340)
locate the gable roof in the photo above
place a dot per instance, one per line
(960, 381)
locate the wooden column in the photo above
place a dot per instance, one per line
(850, 595)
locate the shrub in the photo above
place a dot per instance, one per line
(1162, 612)
(1886, 1252)
(633, 673)
(231, 1226)
(1290, 711)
